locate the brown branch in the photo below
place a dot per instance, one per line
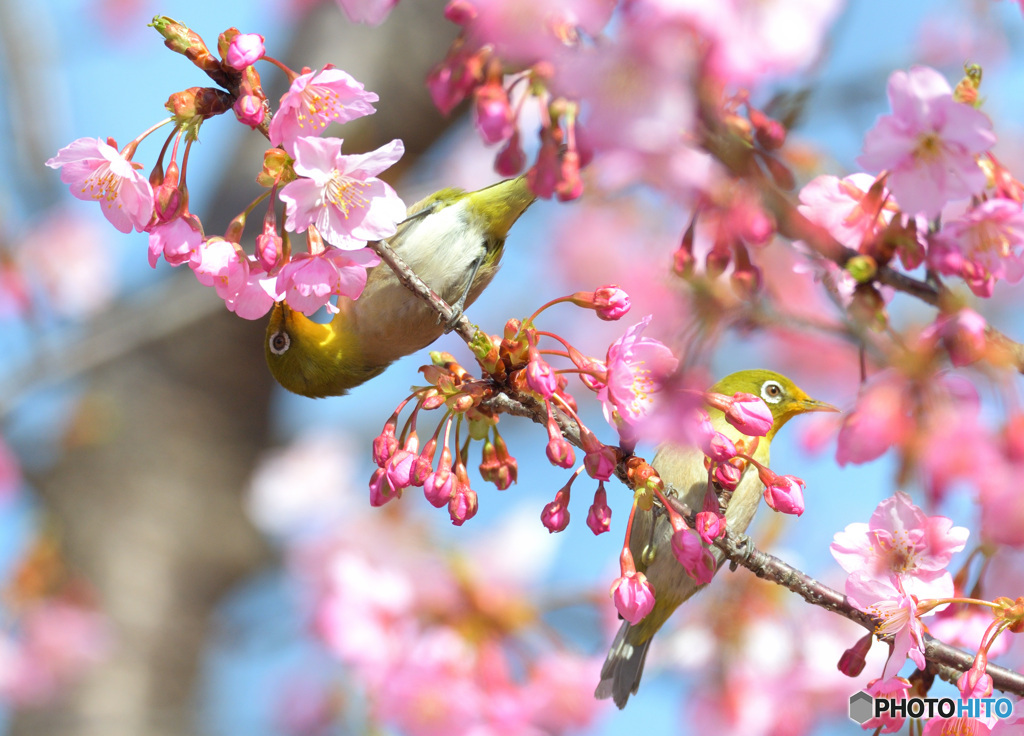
(419, 287)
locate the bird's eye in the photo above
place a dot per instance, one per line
(280, 342)
(771, 391)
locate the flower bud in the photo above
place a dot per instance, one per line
(599, 517)
(462, 506)
(633, 596)
(555, 515)
(696, 559)
(245, 50)
(785, 494)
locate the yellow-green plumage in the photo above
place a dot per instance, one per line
(682, 469)
(462, 231)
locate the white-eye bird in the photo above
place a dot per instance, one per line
(683, 471)
(453, 240)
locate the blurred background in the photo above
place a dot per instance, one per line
(178, 535)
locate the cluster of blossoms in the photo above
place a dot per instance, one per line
(52, 630)
(637, 81)
(335, 198)
(624, 382)
(897, 565)
(934, 422)
(932, 152)
(435, 640)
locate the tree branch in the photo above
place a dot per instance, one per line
(740, 551)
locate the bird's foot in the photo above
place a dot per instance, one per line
(452, 322)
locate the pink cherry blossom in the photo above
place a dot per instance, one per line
(879, 421)
(341, 195)
(710, 525)
(370, 12)
(838, 206)
(218, 263)
(245, 50)
(256, 296)
(96, 170)
(611, 302)
(928, 143)
(900, 541)
(895, 688)
(637, 367)
(315, 100)
(957, 726)
(718, 447)
(309, 281)
(982, 246)
(694, 556)
(900, 619)
(748, 39)
(963, 334)
(633, 596)
(177, 241)
(439, 485)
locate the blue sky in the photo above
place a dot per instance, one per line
(87, 73)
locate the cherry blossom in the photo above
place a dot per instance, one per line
(636, 368)
(900, 541)
(341, 194)
(96, 170)
(315, 100)
(928, 143)
(879, 421)
(982, 246)
(177, 241)
(370, 12)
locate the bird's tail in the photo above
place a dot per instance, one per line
(620, 675)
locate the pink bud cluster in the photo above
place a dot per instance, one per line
(477, 68)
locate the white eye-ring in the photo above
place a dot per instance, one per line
(771, 392)
(279, 342)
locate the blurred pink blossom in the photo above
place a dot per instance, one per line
(983, 246)
(878, 421)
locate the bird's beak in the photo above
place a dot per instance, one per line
(807, 404)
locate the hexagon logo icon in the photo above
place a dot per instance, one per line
(861, 707)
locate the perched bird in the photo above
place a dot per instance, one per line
(453, 240)
(683, 469)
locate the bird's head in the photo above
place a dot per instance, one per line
(498, 206)
(314, 359)
(784, 398)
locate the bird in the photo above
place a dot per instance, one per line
(452, 239)
(685, 475)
